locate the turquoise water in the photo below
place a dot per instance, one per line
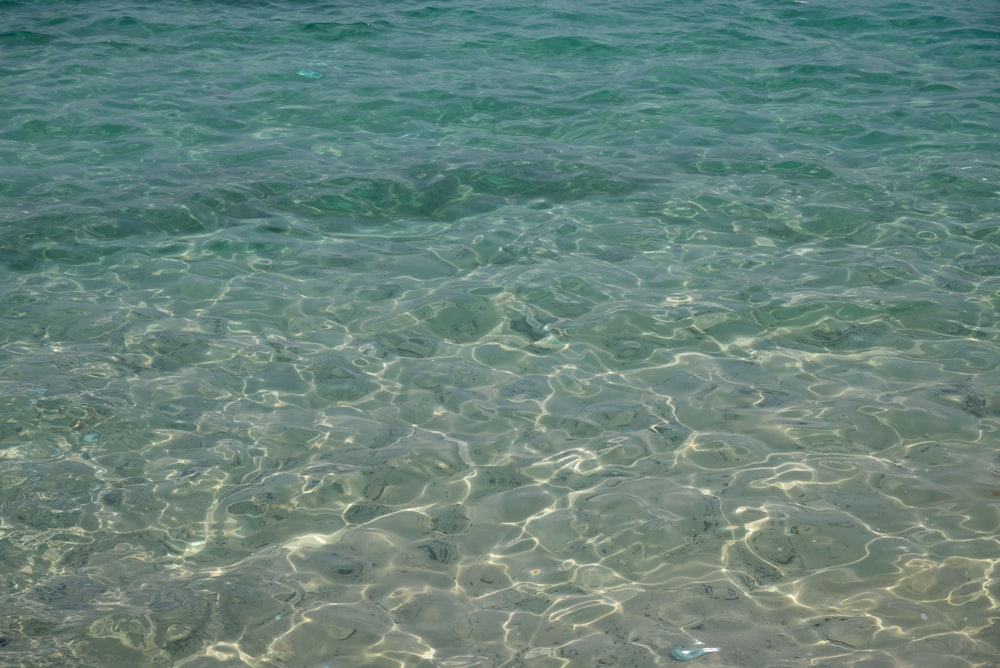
(525, 334)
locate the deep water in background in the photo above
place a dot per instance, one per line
(478, 334)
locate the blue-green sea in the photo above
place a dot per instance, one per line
(528, 334)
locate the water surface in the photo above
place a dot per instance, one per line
(543, 334)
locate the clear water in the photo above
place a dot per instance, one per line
(472, 334)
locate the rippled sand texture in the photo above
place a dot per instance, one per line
(520, 336)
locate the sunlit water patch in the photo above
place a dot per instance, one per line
(531, 335)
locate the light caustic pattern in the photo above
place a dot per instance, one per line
(550, 476)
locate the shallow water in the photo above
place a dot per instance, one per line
(550, 334)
